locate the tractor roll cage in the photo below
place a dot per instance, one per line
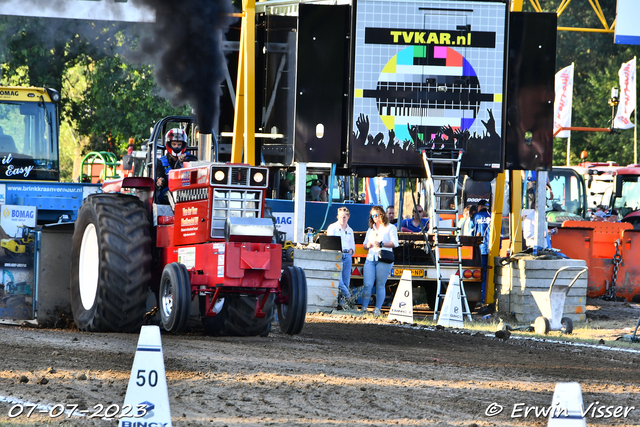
(156, 140)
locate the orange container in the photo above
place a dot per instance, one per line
(595, 242)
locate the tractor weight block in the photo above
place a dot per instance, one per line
(254, 230)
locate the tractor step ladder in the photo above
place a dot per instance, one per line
(445, 161)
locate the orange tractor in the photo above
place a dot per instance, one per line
(211, 244)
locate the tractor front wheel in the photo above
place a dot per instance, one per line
(175, 297)
(110, 264)
(292, 308)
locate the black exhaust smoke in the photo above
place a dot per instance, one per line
(185, 45)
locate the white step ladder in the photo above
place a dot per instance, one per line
(446, 162)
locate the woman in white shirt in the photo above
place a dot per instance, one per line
(342, 229)
(381, 237)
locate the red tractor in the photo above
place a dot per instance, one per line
(210, 244)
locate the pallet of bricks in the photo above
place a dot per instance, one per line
(515, 281)
(323, 269)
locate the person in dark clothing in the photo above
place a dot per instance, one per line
(480, 226)
(176, 143)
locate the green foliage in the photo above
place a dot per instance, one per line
(105, 100)
(44, 48)
(67, 152)
(597, 61)
(120, 101)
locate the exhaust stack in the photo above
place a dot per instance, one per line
(204, 147)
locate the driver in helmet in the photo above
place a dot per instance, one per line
(176, 144)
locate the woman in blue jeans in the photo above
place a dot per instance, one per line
(381, 236)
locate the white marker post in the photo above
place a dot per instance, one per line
(147, 391)
(402, 306)
(566, 406)
(451, 313)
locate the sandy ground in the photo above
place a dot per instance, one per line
(340, 371)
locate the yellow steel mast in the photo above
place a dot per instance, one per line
(244, 137)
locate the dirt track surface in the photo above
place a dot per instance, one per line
(340, 371)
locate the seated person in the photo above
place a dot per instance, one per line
(417, 223)
(7, 145)
(176, 144)
(599, 214)
(318, 193)
(612, 216)
(9, 153)
(465, 223)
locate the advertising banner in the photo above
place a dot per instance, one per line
(17, 251)
(284, 223)
(563, 101)
(427, 73)
(627, 95)
(379, 191)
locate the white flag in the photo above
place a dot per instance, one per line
(627, 95)
(563, 100)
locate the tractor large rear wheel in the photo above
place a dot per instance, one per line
(110, 264)
(214, 325)
(175, 297)
(237, 317)
(241, 320)
(292, 310)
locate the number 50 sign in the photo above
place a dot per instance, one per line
(143, 378)
(148, 382)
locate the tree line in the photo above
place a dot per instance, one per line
(105, 97)
(597, 61)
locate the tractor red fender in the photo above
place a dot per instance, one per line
(116, 185)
